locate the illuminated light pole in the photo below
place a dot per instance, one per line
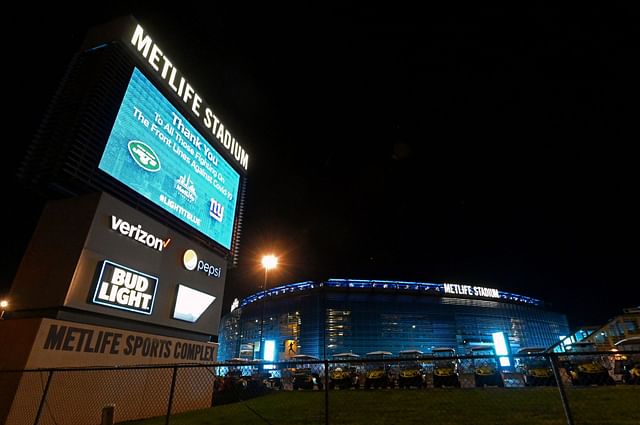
(3, 304)
(268, 262)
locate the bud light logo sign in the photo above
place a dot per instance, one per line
(124, 288)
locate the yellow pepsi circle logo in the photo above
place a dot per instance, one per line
(190, 259)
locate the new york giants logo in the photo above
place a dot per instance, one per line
(216, 210)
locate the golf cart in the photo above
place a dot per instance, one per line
(586, 369)
(536, 369)
(304, 377)
(411, 372)
(236, 382)
(344, 374)
(445, 368)
(630, 362)
(485, 369)
(378, 372)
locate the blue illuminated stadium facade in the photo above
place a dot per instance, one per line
(360, 316)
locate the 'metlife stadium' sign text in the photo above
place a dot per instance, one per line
(472, 291)
(166, 70)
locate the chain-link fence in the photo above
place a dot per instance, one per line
(579, 388)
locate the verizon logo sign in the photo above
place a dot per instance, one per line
(137, 233)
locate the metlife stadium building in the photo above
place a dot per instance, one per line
(360, 316)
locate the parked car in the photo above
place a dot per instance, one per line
(344, 374)
(485, 369)
(630, 362)
(305, 375)
(445, 367)
(411, 371)
(536, 369)
(378, 373)
(586, 369)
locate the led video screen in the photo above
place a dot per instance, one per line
(156, 152)
(191, 303)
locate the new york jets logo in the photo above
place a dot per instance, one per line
(144, 156)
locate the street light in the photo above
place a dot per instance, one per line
(3, 304)
(268, 262)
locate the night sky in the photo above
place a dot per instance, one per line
(471, 145)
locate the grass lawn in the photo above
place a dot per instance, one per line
(618, 405)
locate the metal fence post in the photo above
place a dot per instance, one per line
(326, 391)
(43, 399)
(108, 414)
(553, 358)
(172, 391)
